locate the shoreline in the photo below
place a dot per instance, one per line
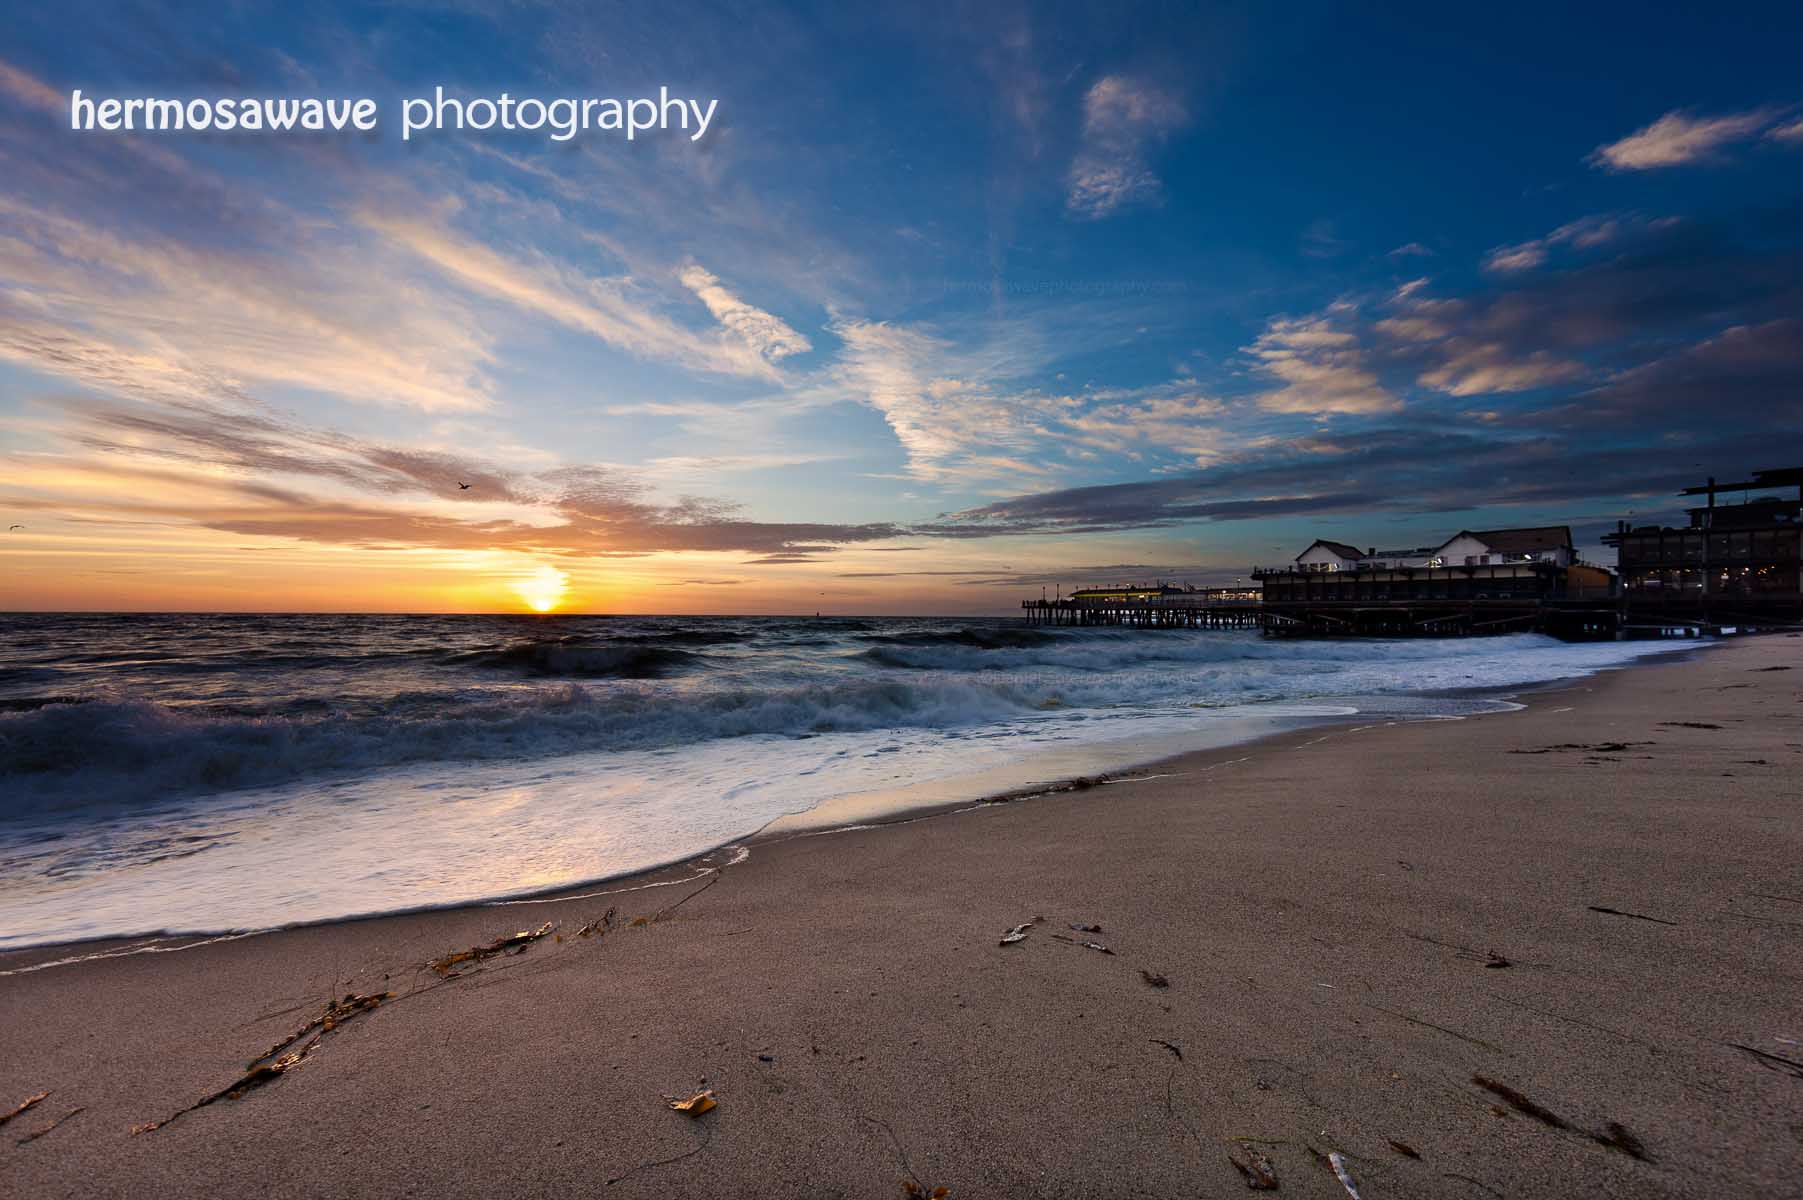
(1328, 938)
(896, 811)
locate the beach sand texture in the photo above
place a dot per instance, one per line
(1557, 952)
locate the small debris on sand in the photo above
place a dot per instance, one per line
(1153, 979)
(1772, 1062)
(600, 925)
(1521, 1103)
(22, 1106)
(516, 943)
(1337, 1161)
(336, 1013)
(1256, 1170)
(1616, 912)
(39, 1132)
(1404, 1149)
(1616, 1137)
(918, 1191)
(282, 1057)
(1016, 934)
(695, 1105)
(1096, 946)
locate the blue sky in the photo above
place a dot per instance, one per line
(951, 302)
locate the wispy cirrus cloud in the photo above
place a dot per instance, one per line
(964, 415)
(1454, 351)
(257, 473)
(1585, 233)
(131, 268)
(1321, 367)
(766, 334)
(160, 316)
(951, 416)
(611, 309)
(1175, 418)
(1123, 118)
(29, 90)
(1679, 138)
(1470, 367)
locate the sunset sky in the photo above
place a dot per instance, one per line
(952, 302)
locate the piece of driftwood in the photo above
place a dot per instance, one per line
(22, 1106)
(39, 1132)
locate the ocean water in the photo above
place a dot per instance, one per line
(217, 773)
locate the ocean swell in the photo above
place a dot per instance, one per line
(129, 752)
(567, 658)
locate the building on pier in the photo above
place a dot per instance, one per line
(1466, 548)
(1735, 564)
(1476, 581)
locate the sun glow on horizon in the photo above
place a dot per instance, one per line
(543, 589)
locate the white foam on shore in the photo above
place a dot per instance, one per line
(509, 830)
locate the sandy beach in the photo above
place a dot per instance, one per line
(1554, 952)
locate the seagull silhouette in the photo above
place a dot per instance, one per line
(10, 528)
(463, 487)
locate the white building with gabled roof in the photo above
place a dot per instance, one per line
(1493, 547)
(1326, 555)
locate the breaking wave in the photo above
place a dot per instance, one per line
(578, 659)
(420, 691)
(974, 637)
(214, 772)
(112, 752)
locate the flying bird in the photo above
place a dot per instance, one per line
(10, 528)
(463, 487)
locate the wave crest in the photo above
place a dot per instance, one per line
(568, 658)
(131, 752)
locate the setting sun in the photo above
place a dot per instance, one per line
(543, 589)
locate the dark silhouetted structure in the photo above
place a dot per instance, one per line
(1735, 565)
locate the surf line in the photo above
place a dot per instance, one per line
(151, 947)
(739, 855)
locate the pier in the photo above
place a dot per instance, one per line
(1570, 620)
(1210, 608)
(1736, 568)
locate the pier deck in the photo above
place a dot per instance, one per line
(1573, 620)
(1166, 612)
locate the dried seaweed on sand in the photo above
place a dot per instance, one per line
(516, 942)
